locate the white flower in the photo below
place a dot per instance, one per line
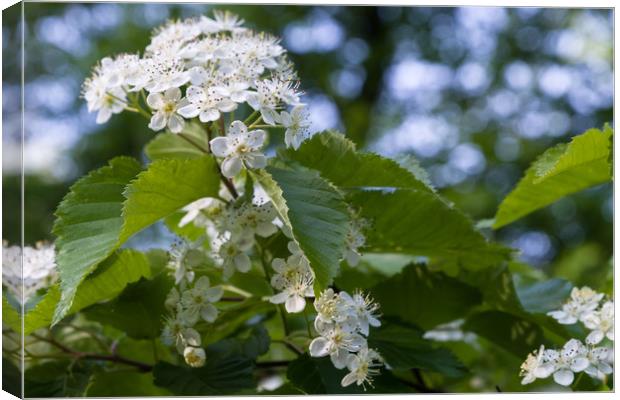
(223, 21)
(195, 211)
(231, 254)
(166, 110)
(39, 269)
(336, 341)
(184, 257)
(581, 303)
(265, 100)
(255, 219)
(601, 322)
(572, 358)
(103, 98)
(239, 148)
(195, 357)
(536, 366)
(354, 240)
(205, 104)
(296, 125)
(363, 310)
(235, 91)
(172, 299)
(598, 362)
(176, 332)
(294, 294)
(363, 366)
(331, 307)
(160, 71)
(197, 301)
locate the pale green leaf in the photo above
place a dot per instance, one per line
(316, 213)
(110, 278)
(166, 186)
(560, 171)
(170, 145)
(88, 224)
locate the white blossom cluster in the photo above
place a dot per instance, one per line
(594, 357)
(204, 68)
(343, 323)
(39, 269)
(188, 306)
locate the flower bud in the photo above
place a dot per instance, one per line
(195, 356)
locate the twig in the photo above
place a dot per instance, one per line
(94, 356)
(273, 364)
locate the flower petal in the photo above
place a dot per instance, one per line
(231, 167)
(155, 101)
(176, 123)
(208, 313)
(220, 146)
(158, 121)
(319, 347)
(295, 304)
(563, 377)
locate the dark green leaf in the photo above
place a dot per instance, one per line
(336, 158)
(425, 298)
(223, 373)
(138, 311)
(11, 377)
(420, 223)
(123, 384)
(403, 347)
(507, 331)
(319, 376)
(541, 297)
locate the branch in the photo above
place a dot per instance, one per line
(94, 356)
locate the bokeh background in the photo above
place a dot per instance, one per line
(475, 93)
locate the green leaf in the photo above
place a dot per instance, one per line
(138, 311)
(336, 158)
(166, 186)
(91, 223)
(316, 213)
(420, 223)
(57, 379)
(404, 348)
(123, 384)
(234, 317)
(88, 225)
(11, 377)
(319, 376)
(11, 316)
(542, 297)
(560, 171)
(112, 276)
(170, 145)
(507, 331)
(225, 372)
(439, 298)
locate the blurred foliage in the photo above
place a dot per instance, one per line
(349, 59)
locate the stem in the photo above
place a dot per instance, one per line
(193, 143)
(94, 356)
(307, 323)
(273, 364)
(250, 117)
(221, 125)
(256, 123)
(229, 185)
(268, 278)
(234, 289)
